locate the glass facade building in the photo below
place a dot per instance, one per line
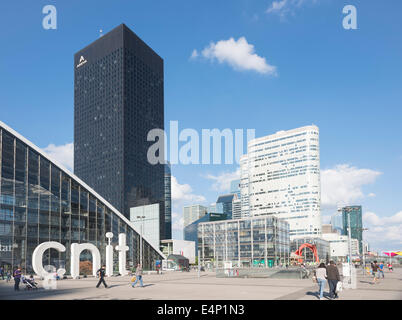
(118, 100)
(356, 223)
(168, 201)
(193, 213)
(41, 201)
(235, 187)
(337, 222)
(226, 201)
(190, 232)
(255, 241)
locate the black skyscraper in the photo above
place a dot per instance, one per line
(118, 99)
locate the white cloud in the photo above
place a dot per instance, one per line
(238, 54)
(63, 154)
(177, 221)
(182, 193)
(283, 8)
(277, 6)
(384, 233)
(223, 180)
(342, 185)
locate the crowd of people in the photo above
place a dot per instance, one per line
(19, 277)
(330, 273)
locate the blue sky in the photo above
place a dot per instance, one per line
(347, 82)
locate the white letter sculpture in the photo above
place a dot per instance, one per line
(76, 250)
(109, 255)
(37, 256)
(122, 248)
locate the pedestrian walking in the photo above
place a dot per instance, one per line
(8, 276)
(333, 277)
(381, 269)
(138, 276)
(321, 276)
(17, 278)
(390, 267)
(374, 268)
(101, 273)
(2, 273)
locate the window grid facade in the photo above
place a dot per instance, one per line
(256, 241)
(41, 202)
(118, 100)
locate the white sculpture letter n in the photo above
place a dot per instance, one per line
(76, 250)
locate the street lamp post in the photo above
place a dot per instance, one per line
(141, 231)
(364, 254)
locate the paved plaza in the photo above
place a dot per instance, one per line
(187, 286)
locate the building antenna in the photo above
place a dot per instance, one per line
(100, 33)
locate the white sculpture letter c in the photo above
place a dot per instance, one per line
(37, 256)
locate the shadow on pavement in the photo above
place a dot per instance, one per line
(317, 295)
(36, 294)
(145, 285)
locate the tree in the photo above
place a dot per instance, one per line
(86, 267)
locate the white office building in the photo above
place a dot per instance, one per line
(339, 248)
(146, 219)
(281, 175)
(193, 213)
(244, 186)
(181, 247)
(236, 208)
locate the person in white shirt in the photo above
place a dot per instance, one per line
(321, 275)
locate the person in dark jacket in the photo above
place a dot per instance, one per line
(17, 278)
(333, 277)
(101, 273)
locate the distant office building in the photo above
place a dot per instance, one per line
(283, 179)
(146, 220)
(337, 222)
(366, 247)
(338, 246)
(355, 244)
(236, 208)
(41, 201)
(193, 213)
(181, 247)
(327, 228)
(235, 187)
(254, 241)
(244, 194)
(226, 201)
(190, 231)
(168, 201)
(356, 223)
(322, 245)
(118, 99)
(215, 208)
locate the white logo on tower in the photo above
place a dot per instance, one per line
(82, 61)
